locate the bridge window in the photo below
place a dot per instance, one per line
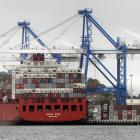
(31, 108)
(57, 107)
(65, 108)
(73, 108)
(48, 108)
(24, 108)
(81, 108)
(39, 108)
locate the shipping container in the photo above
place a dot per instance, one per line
(115, 117)
(111, 116)
(105, 107)
(134, 115)
(138, 117)
(105, 116)
(129, 114)
(125, 115)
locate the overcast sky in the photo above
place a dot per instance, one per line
(45, 13)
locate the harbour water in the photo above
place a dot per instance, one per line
(70, 132)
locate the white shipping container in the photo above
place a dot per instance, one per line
(134, 117)
(66, 75)
(66, 85)
(111, 117)
(124, 112)
(19, 75)
(58, 70)
(9, 86)
(63, 71)
(41, 64)
(115, 113)
(134, 112)
(105, 107)
(138, 117)
(115, 117)
(124, 115)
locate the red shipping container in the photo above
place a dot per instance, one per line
(129, 107)
(120, 114)
(46, 81)
(70, 75)
(71, 81)
(21, 86)
(129, 114)
(37, 85)
(17, 86)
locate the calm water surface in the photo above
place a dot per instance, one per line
(73, 132)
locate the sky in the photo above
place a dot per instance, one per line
(115, 15)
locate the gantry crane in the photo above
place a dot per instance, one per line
(120, 82)
(86, 52)
(26, 30)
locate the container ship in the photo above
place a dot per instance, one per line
(44, 91)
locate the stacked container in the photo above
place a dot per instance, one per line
(136, 112)
(49, 79)
(120, 112)
(125, 115)
(111, 112)
(105, 111)
(116, 115)
(129, 112)
(99, 112)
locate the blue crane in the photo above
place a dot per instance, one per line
(119, 82)
(26, 31)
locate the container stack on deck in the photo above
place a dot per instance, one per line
(5, 88)
(49, 80)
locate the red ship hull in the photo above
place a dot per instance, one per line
(29, 111)
(46, 92)
(9, 113)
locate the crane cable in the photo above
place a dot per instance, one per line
(10, 37)
(50, 37)
(49, 30)
(63, 32)
(122, 30)
(7, 32)
(119, 30)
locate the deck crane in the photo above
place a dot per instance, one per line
(120, 82)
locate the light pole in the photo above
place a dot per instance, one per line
(131, 76)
